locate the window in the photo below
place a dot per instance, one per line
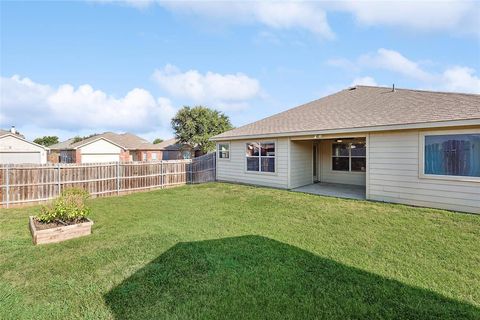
(154, 156)
(452, 155)
(260, 156)
(223, 151)
(349, 156)
(144, 156)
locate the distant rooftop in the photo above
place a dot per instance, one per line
(128, 141)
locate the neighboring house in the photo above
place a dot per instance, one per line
(107, 147)
(173, 150)
(405, 146)
(15, 149)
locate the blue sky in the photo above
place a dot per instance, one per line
(75, 68)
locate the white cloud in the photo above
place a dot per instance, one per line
(227, 91)
(461, 79)
(458, 17)
(273, 14)
(394, 61)
(84, 108)
(365, 81)
(456, 78)
(286, 15)
(455, 17)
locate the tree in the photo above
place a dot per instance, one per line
(46, 140)
(194, 126)
(157, 141)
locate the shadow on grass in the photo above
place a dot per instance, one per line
(256, 277)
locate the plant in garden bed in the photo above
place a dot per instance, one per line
(57, 221)
(67, 209)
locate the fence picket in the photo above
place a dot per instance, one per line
(28, 183)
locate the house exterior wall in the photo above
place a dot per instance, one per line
(394, 169)
(125, 156)
(329, 175)
(78, 156)
(138, 155)
(16, 150)
(394, 165)
(301, 163)
(234, 168)
(172, 155)
(99, 151)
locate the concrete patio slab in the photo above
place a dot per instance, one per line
(334, 190)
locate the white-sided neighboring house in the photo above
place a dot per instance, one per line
(405, 146)
(107, 147)
(15, 149)
(100, 150)
(92, 150)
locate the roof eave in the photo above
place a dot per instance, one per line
(422, 125)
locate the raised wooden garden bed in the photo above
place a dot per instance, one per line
(52, 234)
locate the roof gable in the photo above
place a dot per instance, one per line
(16, 136)
(84, 143)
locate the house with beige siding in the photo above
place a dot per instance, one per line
(106, 147)
(15, 149)
(413, 147)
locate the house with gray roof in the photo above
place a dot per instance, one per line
(395, 145)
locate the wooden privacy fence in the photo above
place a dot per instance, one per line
(22, 184)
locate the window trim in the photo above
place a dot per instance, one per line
(421, 153)
(259, 153)
(229, 151)
(354, 140)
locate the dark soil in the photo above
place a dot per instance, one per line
(55, 224)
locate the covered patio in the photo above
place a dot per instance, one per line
(334, 190)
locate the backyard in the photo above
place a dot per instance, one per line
(221, 251)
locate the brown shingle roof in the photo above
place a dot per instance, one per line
(365, 106)
(128, 141)
(169, 144)
(62, 145)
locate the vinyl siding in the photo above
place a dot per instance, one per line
(328, 175)
(16, 150)
(301, 163)
(101, 147)
(234, 169)
(394, 176)
(100, 151)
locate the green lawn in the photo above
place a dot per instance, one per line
(223, 251)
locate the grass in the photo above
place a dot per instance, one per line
(219, 251)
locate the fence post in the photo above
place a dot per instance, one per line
(59, 180)
(8, 186)
(161, 174)
(118, 177)
(190, 171)
(215, 167)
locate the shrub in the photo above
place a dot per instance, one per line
(68, 207)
